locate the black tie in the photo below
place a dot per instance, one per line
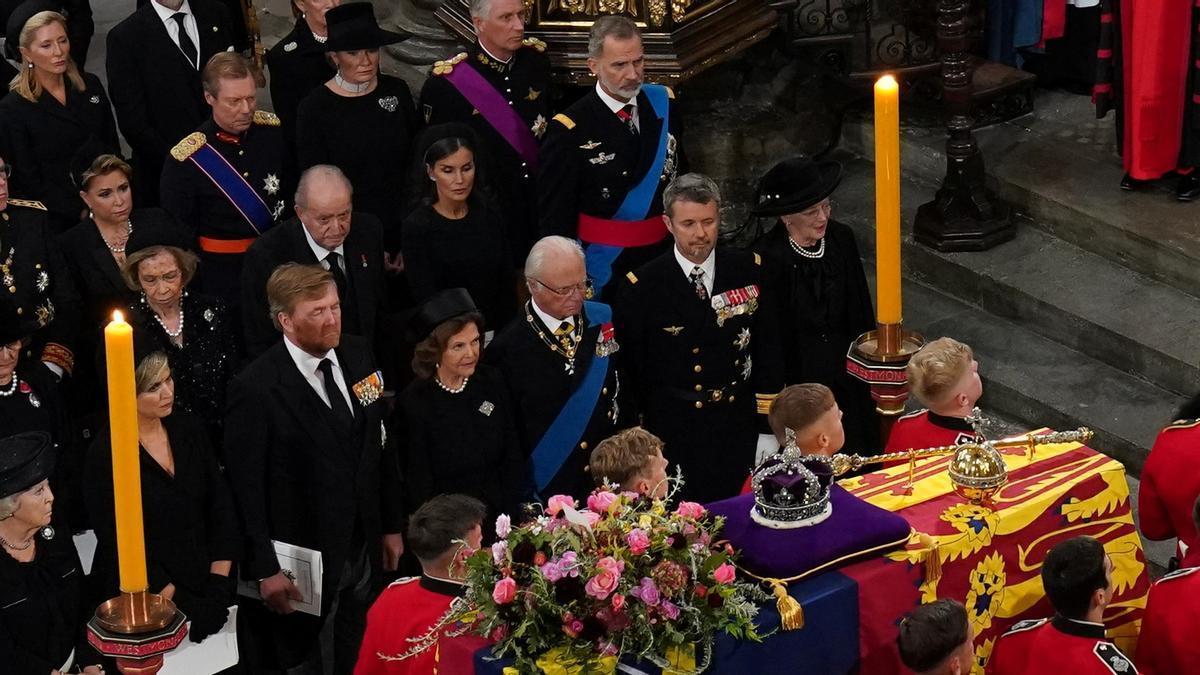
(185, 43)
(339, 276)
(337, 402)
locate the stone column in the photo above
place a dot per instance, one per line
(430, 42)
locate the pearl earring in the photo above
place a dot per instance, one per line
(31, 66)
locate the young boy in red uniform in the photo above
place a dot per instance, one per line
(944, 377)
(937, 639)
(1077, 576)
(633, 460)
(442, 533)
(1170, 480)
(1171, 624)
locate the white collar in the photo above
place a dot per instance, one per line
(709, 266)
(307, 363)
(165, 13)
(320, 251)
(492, 56)
(612, 103)
(547, 320)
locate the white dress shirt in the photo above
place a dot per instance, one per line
(189, 24)
(615, 105)
(551, 322)
(308, 366)
(320, 252)
(709, 266)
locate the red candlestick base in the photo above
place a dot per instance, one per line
(136, 629)
(880, 357)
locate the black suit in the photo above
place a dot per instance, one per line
(286, 243)
(540, 383)
(302, 476)
(696, 383)
(156, 92)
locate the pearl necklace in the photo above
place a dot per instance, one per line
(16, 548)
(350, 86)
(820, 252)
(170, 333)
(12, 388)
(119, 249)
(457, 390)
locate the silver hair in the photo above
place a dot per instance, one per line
(619, 27)
(315, 171)
(691, 187)
(480, 9)
(547, 246)
(8, 505)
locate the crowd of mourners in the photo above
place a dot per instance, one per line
(369, 323)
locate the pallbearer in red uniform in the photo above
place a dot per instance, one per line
(442, 533)
(1077, 576)
(1171, 623)
(944, 376)
(1170, 480)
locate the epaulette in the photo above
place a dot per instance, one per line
(1027, 624)
(564, 120)
(1184, 424)
(266, 119)
(1113, 659)
(670, 92)
(27, 203)
(631, 277)
(189, 145)
(403, 580)
(757, 259)
(915, 413)
(446, 67)
(1177, 574)
(535, 43)
(763, 402)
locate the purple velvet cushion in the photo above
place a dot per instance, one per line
(855, 531)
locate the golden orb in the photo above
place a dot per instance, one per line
(978, 472)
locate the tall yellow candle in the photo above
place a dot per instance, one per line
(887, 201)
(127, 477)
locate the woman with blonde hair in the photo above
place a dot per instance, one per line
(52, 109)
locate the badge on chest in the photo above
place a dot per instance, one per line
(735, 302)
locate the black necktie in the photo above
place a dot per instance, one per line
(339, 277)
(185, 43)
(337, 402)
(697, 277)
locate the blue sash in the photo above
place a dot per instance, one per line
(600, 257)
(227, 179)
(564, 432)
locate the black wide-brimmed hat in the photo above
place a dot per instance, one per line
(439, 308)
(353, 26)
(26, 459)
(16, 21)
(13, 326)
(794, 185)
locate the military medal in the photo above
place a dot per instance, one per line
(566, 348)
(743, 340)
(532, 95)
(6, 270)
(271, 184)
(539, 126)
(369, 389)
(43, 281)
(606, 343)
(673, 330)
(735, 303)
(746, 368)
(590, 145)
(603, 158)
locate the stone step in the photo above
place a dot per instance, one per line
(1051, 287)
(1059, 168)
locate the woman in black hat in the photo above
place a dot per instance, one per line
(42, 613)
(361, 121)
(455, 237)
(456, 421)
(813, 266)
(195, 331)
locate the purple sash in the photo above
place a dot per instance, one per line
(496, 110)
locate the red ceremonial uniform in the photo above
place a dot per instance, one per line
(1171, 624)
(1170, 483)
(408, 608)
(925, 429)
(1057, 646)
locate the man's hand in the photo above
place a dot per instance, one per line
(92, 670)
(393, 264)
(393, 548)
(278, 591)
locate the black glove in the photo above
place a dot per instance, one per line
(221, 589)
(207, 616)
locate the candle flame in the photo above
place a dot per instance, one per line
(887, 82)
(117, 316)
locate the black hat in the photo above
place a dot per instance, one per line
(430, 135)
(17, 20)
(794, 185)
(353, 26)
(13, 326)
(147, 233)
(26, 459)
(439, 308)
(81, 161)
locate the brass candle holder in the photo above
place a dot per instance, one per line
(137, 629)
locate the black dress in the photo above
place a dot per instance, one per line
(470, 253)
(297, 65)
(823, 304)
(189, 518)
(462, 443)
(369, 138)
(42, 612)
(205, 363)
(40, 140)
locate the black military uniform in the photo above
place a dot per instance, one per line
(542, 375)
(699, 373)
(591, 159)
(297, 65)
(223, 234)
(522, 81)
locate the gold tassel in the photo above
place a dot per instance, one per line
(791, 614)
(933, 559)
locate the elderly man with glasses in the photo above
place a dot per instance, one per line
(557, 359)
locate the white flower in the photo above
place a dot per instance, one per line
(503, 525)
(499, 552)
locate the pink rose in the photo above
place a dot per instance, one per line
(557, 502)
(569, 563)
(669, 610)
(608, 574)
(690, 510)
(724, 574)
(505, 591)
(638, 540)
(499, 551)
(600, 501)
(503, 525)
(573, 628)
(618, 601)
(647, 592)
(552, 571)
